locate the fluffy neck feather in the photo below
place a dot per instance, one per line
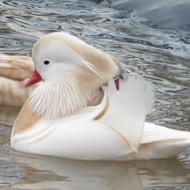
(57, 98)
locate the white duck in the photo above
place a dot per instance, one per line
(14, 71)
(69, 115)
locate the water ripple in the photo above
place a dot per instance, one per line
(161, 56)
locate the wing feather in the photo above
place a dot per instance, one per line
(154, 133)
(128, 110)
(16, 67)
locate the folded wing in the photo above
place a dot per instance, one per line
(128, 109)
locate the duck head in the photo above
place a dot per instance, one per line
(70, 70)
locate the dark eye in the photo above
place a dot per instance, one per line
(46, 62)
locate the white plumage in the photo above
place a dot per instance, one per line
(112, 129)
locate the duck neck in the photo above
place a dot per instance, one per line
(58, 98)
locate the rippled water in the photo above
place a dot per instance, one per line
(160, 55)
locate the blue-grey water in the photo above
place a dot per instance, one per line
(152, 39)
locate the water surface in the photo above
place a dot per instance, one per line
(160, 54)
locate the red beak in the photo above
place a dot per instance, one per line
(33, 79)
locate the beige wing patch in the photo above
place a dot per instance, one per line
(25, 120)
(14, 70)
(16, 67)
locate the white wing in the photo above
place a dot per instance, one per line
(128, 109)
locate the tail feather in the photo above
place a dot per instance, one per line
(155, 133)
